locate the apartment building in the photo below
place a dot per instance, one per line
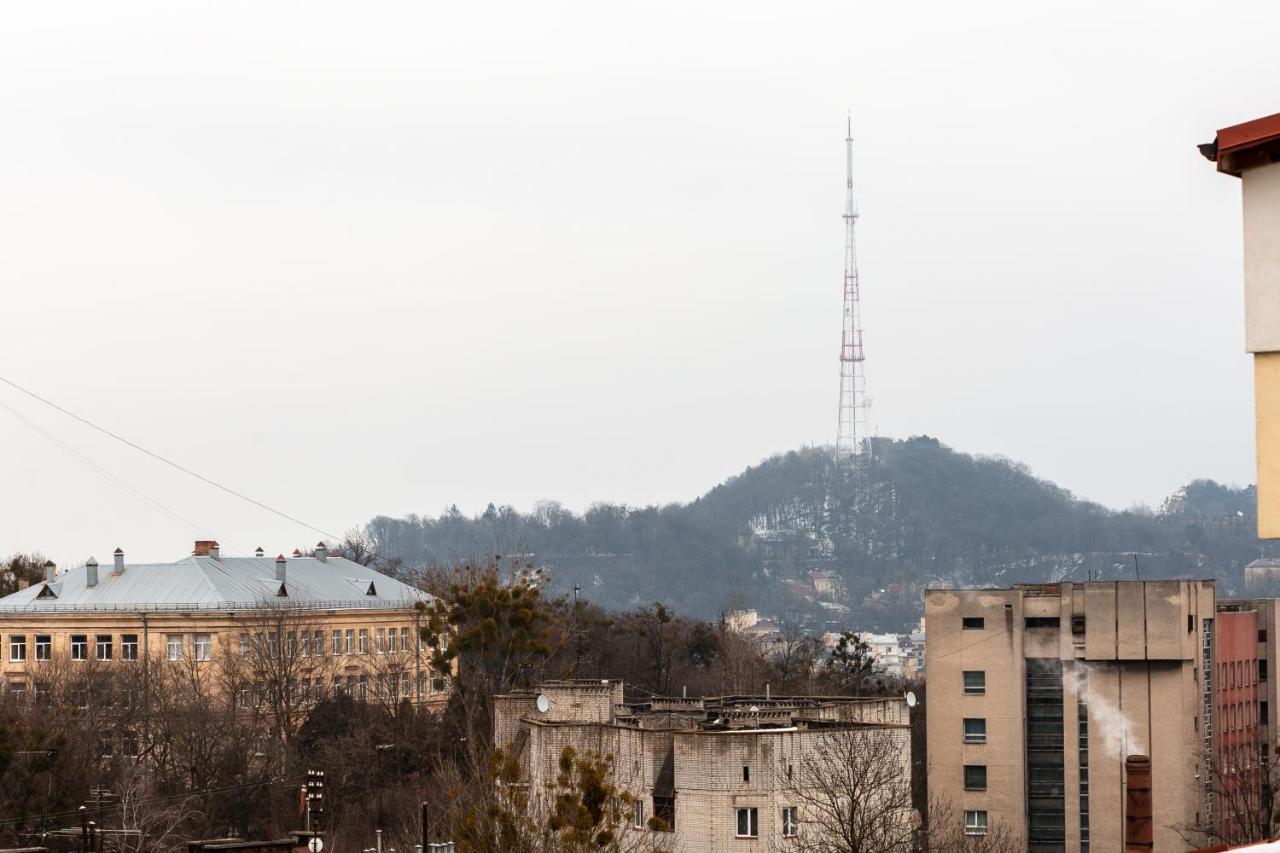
(720, 774)
(326, 624)
(1038, 693)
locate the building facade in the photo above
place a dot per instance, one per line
(720, 774)
(301, 628)
(1038, 693)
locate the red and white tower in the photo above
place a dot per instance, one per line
(852, 435)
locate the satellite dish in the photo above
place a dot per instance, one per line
(316, 844)
(542, 703)
(911, 699)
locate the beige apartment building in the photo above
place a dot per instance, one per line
(318, 624)
(721, 774)
(1038, 693)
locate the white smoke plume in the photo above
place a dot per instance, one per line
(1109, 727)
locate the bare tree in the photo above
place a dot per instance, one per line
(149, 823)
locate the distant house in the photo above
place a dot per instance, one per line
(1262, 573)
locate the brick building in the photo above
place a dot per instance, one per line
(723, 773)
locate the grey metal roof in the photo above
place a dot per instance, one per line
(219, 583)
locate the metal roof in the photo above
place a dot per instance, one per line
(218, 583)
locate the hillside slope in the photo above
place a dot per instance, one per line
(916, 512)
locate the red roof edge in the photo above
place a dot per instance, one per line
(1241, 146)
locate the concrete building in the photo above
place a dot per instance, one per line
(1237, 672)
(720, 774)
(1251, 152)
(340, 626)
(1038, 693)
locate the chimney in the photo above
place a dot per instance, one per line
(322, 552)
(118, 569)
(259, 552)
(297, 553)
(205, 548)
(215, 551)
(91, 573)
(280, 564)
(1137, 805)
(50, 571)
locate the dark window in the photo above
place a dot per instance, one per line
(973, 623)
(975, 777)
(1262, 635)
(1191, 623)
(975, 730)
(1262, 670)
(1077, 624)
(664, 809)
(975, 683)
(746, 774)
(1042, 622)
(1263, 714)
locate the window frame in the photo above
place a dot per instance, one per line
(790, 822)
(17, 648)
(974, 786)
(752, 814)
(974, 737)
(973, 623)
(103, 642)
(637, 815)
(79, 646)
(979, 825)
(363, 641)
(974, 689)
(43, 647)
(169, 640)
(128, 647)
(337, 641)
(349, 641)
(203, 649)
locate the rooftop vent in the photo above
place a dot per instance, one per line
(259, 552)
(91, 573)
(50, 571)
(118, 568)
(205, 548)
(297, 553)
(280, 567)
(322, 552)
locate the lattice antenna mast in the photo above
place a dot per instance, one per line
(852, 434)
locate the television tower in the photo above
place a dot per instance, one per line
(852, 434)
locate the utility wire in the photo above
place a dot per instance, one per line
(168, 462)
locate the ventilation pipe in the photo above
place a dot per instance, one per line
(118, 569)
(91, 573)
(50, 571)
(1137, 805)
(322, 552)
(280, 564)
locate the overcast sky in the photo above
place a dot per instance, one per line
(376, 258)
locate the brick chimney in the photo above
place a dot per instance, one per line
(1137, 805)
(205, 548)
(322, 552)
(50, 571)
(118, 569)
(91, 573)
(280, 565)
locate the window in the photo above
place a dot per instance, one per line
(79, 646)
(128, 647)
(17, 647)
(973, 623)
(204, 647)
(317, 643)
(380, 640)
(103, 647)
(292, 648)
(975, 683)
(306, 690)
(975, 777)
(975, 730)
(664, 809)
(439, 684)
(1262, 635)
(304, 646)
(1262, 670)
(975, 823)
(244, 645)
(364, 687)
(173, 646)
(364, 641)
(1077, 624)
(404, 640)
(1264, 714)
(637, 815)
(351, 641)
(746, 774)
(748, 823)
(391, 640)
(337, 642)
(1042, 622)
(790, 825)
(44, 647)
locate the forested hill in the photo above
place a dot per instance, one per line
(914, 513)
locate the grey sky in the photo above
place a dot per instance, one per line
(376, 258)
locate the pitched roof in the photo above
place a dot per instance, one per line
(219, 583)
(1242, 146)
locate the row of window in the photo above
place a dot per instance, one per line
(103, 647)
(347, 641)
(308, 691)
(748, 821)
(1239, 673)
(386, 641)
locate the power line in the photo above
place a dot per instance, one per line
(168, 461)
